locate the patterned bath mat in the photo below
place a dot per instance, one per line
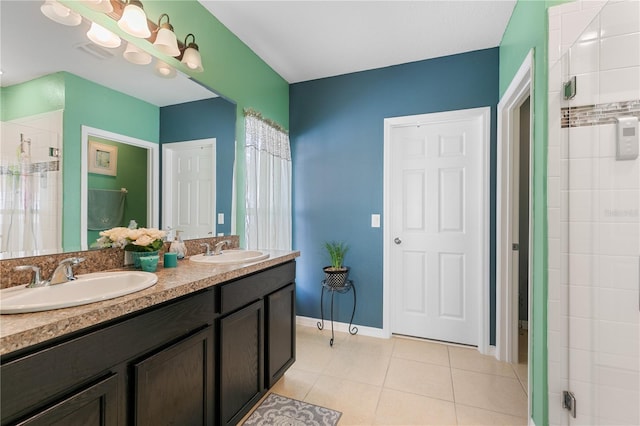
(280, 410)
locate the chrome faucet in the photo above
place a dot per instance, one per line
(218, 247)
(36, 281)
(64, 272)
(208, 246)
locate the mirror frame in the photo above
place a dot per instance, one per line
(153, 176)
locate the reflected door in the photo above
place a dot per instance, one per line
(190, 199)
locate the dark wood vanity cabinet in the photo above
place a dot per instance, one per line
(241, 362)
(256, 338)
(97, 404)
(280, 348)
(175, 385)
(156, 364)
(203, 359)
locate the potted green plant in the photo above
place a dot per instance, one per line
(336, 274)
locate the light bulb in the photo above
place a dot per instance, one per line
(102, 36)
(60, 13)
(136, 55)
(134, 20)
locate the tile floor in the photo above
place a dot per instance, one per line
(403, 381)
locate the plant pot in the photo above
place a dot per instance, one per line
(336, 277)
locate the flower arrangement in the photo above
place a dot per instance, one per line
(137, 240)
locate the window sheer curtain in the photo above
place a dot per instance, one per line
(268, 184)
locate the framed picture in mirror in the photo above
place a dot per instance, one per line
(103, 158)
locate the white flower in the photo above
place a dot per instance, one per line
(143, 240)
(121, 237)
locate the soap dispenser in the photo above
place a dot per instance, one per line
(178, 246)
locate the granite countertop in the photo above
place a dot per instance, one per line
(19, 331)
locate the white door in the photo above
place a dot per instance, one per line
(437, 195)
(189, 205)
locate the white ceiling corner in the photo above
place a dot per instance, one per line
(307, 40)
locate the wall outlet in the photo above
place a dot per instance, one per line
(375, 221)
(220, 218)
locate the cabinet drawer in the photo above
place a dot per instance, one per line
(236, 294)
(48, 374)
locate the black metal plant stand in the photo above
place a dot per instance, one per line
(344, 289)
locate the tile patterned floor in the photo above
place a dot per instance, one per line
(402, 381)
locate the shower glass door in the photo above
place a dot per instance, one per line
(601, 220)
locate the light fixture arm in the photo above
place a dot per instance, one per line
(192, 44)
(166, 24)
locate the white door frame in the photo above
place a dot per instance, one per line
(520, 88)
(168, 150)
(153, 175)
(484, 114)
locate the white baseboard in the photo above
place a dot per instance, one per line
(341, 327)
(366, 331)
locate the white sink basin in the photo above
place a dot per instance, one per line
(230, 257)
(86, 289)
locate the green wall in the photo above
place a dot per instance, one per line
(230, 69)
(92, 105)
(130, 174)
(528, 29)
(38, 96)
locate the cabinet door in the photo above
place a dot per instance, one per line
(176, 385)
(94, 405)
(280, 339)
(241, 362)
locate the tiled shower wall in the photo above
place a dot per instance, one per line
(593, 214)
(38, 228)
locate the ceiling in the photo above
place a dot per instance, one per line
(300, 40)
(307, 40)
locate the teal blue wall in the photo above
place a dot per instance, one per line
(209, 118)
(337, 148)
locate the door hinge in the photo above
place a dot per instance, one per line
(569, 402)
(515, 246)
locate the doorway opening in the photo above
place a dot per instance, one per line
(514, 230)
(521, 218)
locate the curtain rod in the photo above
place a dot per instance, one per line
(253, 113)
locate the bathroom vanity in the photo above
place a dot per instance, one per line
(202, 346)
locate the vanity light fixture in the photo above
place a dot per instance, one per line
(103, 6)
(164, 70)
(135, 55)
(191, 56)
(60, 13)
(166, 41)
(134, 20)
(102, 36)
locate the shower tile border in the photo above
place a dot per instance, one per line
(593, 115)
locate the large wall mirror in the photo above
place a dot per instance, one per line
(79, 123)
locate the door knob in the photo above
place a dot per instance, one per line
(397, 240)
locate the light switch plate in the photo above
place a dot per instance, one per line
(220, 218)
(375, 221)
